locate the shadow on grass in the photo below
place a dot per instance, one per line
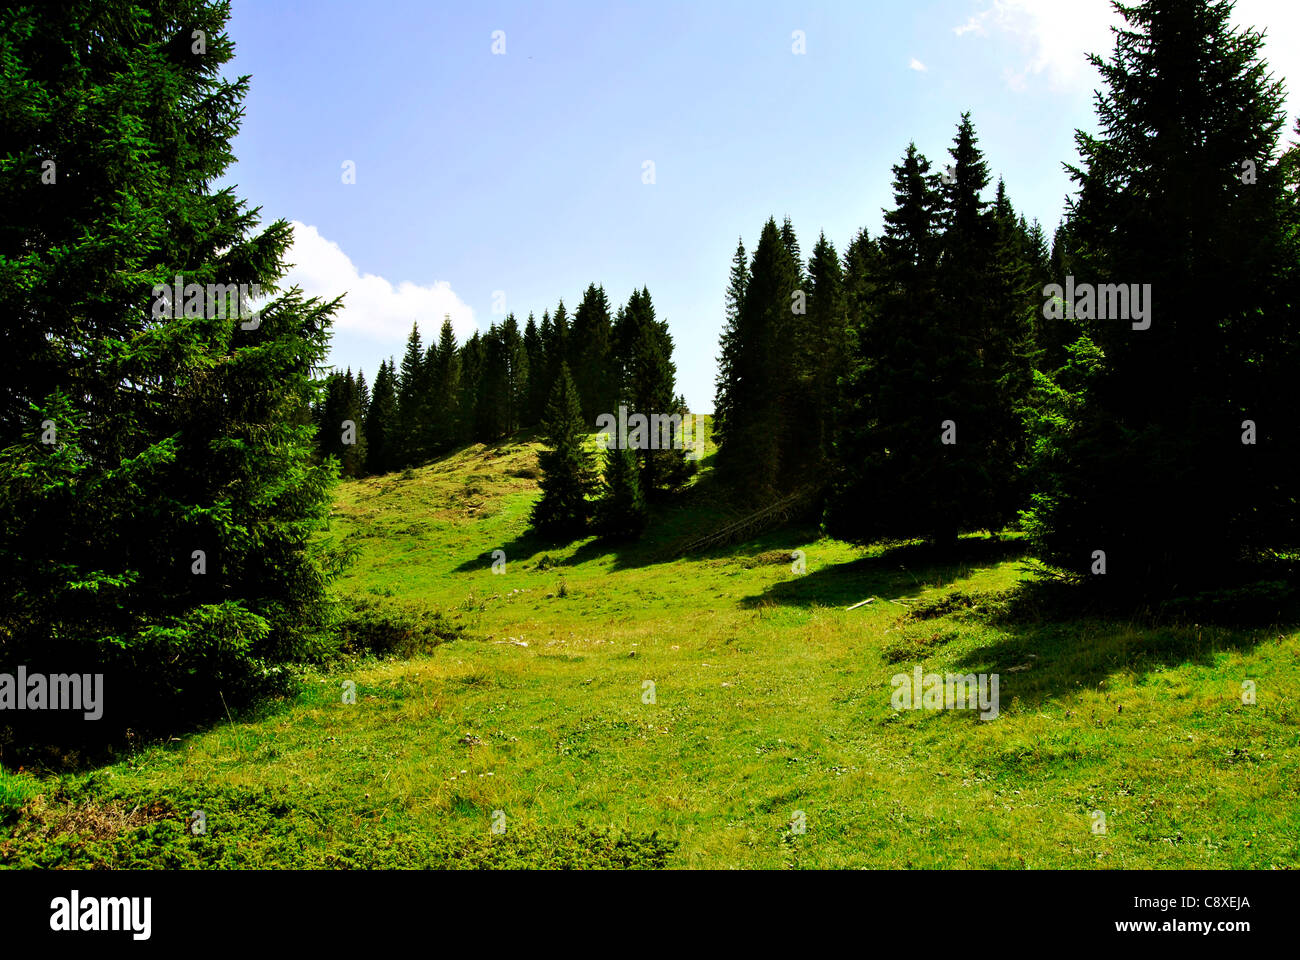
(896, 571)
(1048, 660)
(675, 520)
(53, 747)
(1044, 639)
(1048, 639)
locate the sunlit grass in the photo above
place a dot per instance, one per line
(771, 699)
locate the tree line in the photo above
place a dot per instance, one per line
(557, 377)
(934, 376)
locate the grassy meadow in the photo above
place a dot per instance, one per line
(603, 706)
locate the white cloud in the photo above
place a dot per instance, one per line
(917, 65)
(1280, 19)
(1054, 36)
(373, 307)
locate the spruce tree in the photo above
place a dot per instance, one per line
(1149, 467)
(381, 417)
(517, 374)
(621, 511)
(748, 457)
(144, 439)
(791, 244)
(567, 478)
(471, 371)
(444, 392)
(492, 407)
(648, 389)
(556, 348)
(328, 415)
(1035, 251)
(363, 394)
(412, 403)
(825, 348)
(537, 385)
(890, 446)
(980, 365)
(862, 282)
(791, 371)
(1053, 335)
(620, 347)
(1007, 354)
(724, 384)
(543, 376)
(590, 355)
(427, 430)
(348, 425)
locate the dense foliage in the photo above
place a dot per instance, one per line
(1124, 395)
(158, 491)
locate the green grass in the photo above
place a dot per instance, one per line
(770, 699)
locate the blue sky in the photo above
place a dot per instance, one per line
(482, 177)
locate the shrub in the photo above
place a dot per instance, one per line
(385, 627)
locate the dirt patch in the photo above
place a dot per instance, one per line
(90, 819)
(768, 557)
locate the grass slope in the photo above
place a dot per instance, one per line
(771, 707)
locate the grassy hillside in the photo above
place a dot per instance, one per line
(771, 712)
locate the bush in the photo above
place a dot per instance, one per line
(94, 826)
(385, 627)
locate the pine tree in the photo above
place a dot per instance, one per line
(748, 457)
(862, 282)
(724, 384)
(444, 392)
(621, 511)
(328, 416)
(471, 371)
(352, 456)
(590, 354)
(1151, 468)
(620, 348)
(136, 429)
(381, 416)
(793, 372)
(1054, 335)
(426, 431)
(1061, 261)
(537, 385)
(517, 374)
(567, 477)
(648, 389)
(1007, 353)
(825, 348)
(1035, 250)
(492, 408)
(556, 348)
(979, 365)
(965, 375)
(890, 447)
(363, 395)
(862, 271)
(412, 403)
(791, 244)
(543, 377)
